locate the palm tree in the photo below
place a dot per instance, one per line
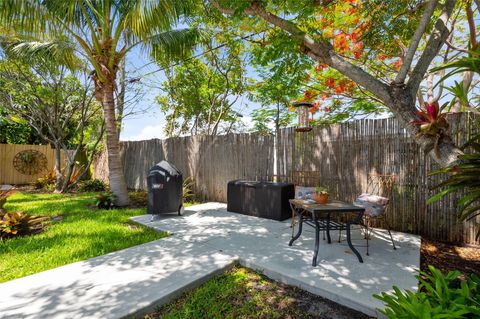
(102, 32)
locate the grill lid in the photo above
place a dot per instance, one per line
(165, 168)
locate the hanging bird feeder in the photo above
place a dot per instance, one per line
(303, 111)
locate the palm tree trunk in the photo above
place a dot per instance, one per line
(116, 177)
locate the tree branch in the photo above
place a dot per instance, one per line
(471, 25)
(435, 42)
(477, 2)
(407, 61)
(320, 51)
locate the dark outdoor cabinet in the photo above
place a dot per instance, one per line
(165, 189)
(260, 199)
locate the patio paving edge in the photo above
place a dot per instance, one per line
(291, 281)
(172, 295)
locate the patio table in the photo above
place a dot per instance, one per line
(319, 216)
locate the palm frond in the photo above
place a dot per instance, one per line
(30, 16)
(175, 44)
(60, 50)
(470, 63)
(145, 18)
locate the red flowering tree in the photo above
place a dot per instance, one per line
(375, 44)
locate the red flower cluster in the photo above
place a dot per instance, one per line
(330, 82)
(319, 67)
(397, 64)
(340, 43)
(307, 95)
(316, 107)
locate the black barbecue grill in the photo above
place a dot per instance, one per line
(165, 189)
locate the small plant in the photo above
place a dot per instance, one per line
(321, 190)
(438, 296)
(104, 200)
(138, 198)
(19, 223)
(47, 181)
(320, 194)
(27, 157)
(93, 185)
(188, 185)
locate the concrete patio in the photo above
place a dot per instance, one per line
(206, 241)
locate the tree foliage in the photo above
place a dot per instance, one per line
(344, 36)
(200, 93)
(13, 131)
(52, 101)
(103, 32)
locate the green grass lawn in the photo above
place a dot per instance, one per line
(81, 234)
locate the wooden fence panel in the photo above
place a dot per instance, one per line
(343, 155)
(10, 175)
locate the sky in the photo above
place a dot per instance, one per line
(149, 122)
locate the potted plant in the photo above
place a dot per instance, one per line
(321, 195)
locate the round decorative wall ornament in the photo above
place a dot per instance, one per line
(30, 162)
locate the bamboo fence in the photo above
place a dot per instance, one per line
(340, 156)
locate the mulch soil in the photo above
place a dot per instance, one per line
(448, 257)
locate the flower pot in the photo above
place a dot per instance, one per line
(320, 198)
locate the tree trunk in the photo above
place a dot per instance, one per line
(121, 94)
(116, 177)
(58, 168)
(68, 176)
(275, 141)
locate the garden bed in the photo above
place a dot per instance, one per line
(447, 257)
(242, 293)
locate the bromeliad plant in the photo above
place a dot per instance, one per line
(432, 123)
(431, 120)
(463, 177)
(19, 223)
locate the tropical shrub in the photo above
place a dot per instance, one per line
(93, 185)
(19, 223)
(463, 177)
(438, 296)
(46, 182)
(188, 185)
(105, 200)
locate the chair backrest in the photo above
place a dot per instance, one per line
(381, 184)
